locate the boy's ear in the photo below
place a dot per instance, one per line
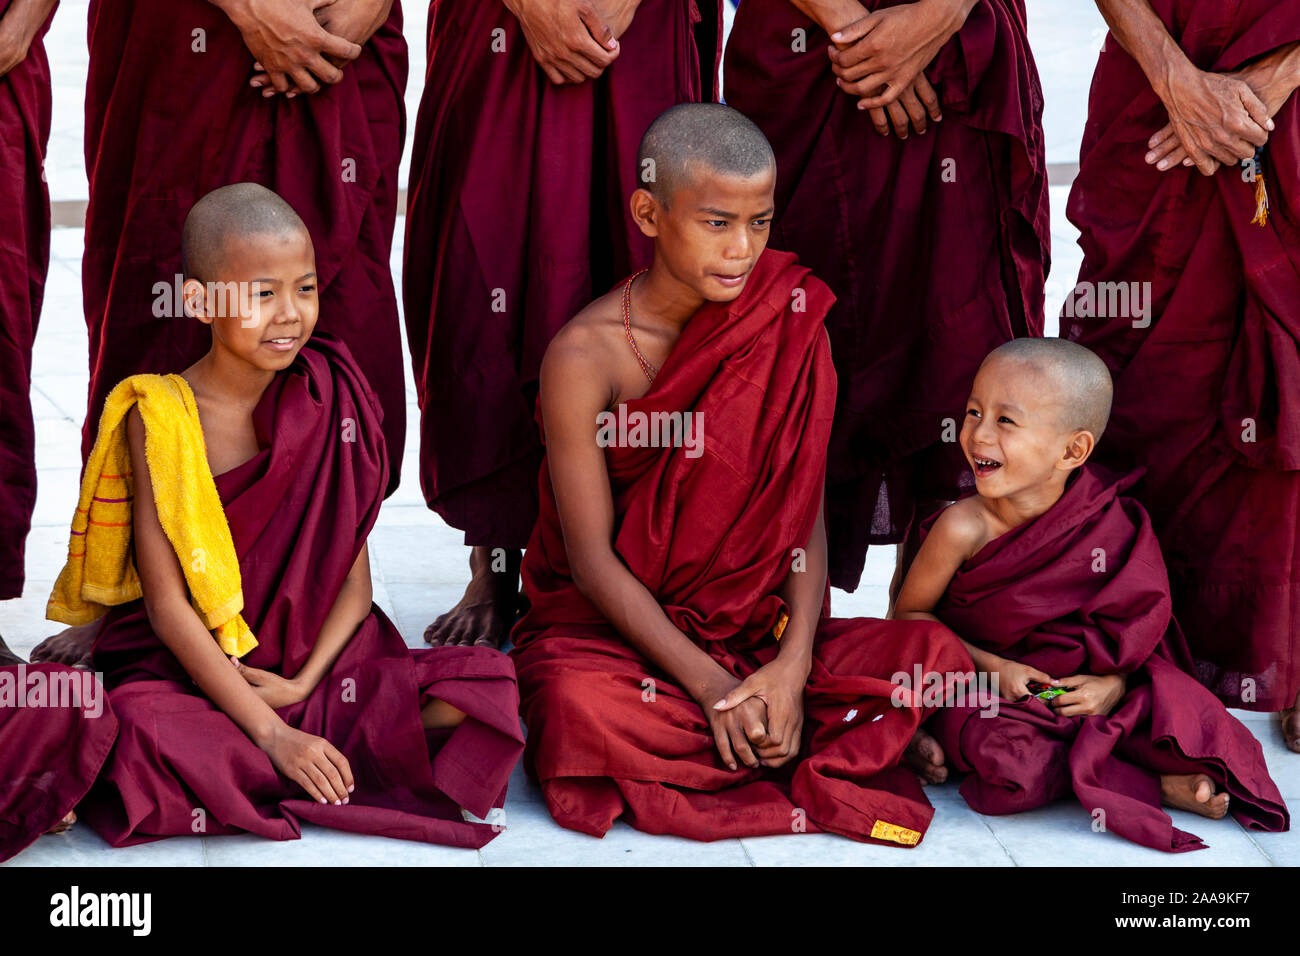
(1078, 449)
(195, 296)
(645, 212)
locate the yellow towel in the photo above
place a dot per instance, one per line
(101, 569)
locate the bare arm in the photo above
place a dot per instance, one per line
(351, 607)
(18, 28)
(573, 393)
(572, 397)
(309, 761)
(955, 536)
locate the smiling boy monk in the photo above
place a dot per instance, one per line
(1049, 573)
(676, 664)
(252, 482)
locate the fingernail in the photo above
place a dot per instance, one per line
(338, 803)
(837, 36)
(323, 800)
(1163, 164)
(1271, 125)
(1151, 157)
(718, 705)
(345, 799)
(351, 788)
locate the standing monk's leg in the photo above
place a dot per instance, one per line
(24, 260)
(497, 141)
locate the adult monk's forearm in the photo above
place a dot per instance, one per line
(831, 15)
(1144, 37)
(633, 611)
(23, 19)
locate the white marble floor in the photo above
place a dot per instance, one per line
(1065, 34)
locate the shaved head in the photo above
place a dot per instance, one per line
(231, 214)
(1080, 380)
(696, 138)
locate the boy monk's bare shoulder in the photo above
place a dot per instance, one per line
(964, 527)
(593, 345)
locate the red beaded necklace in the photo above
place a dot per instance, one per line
(646, 365)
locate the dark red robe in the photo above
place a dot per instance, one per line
(929, 275)
(167, 123)
(299, 513)
(1082, 589)
(712, 537)
(24, 260)
(1207, 397)
(516, 219)
(49, 755)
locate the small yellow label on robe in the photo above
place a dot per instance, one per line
(779, 627)
(894, 833)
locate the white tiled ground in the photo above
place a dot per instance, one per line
(1065, 36)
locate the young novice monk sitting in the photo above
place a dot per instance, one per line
(676, 664)
(1050, 574)
(255, 683)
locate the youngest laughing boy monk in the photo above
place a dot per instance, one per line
(224, 517)
(1050, 574)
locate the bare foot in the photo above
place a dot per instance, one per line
(1194, 792)
(439, 715)
(925, 756)
(487, 611)
(71, 647)
(7, 656)
(64, 825)
(1291, 726)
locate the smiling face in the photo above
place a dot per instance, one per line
(712, 231)
(263, 303)
(1013, 434)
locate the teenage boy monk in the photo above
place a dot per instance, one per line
(1049, 573)
(676, 664)
(329, 718)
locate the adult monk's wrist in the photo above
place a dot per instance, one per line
(950, 15)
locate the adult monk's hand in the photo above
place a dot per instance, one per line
(780, 686)
(918, 104)
(1273, 78)
(569, 39)
(1014, 677)
(355, 20)
(19, 25)
(1213, 119)
(879, 57)
(288, 43)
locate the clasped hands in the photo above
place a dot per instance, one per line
(302, 46)
(759, 720)
(1217, 118)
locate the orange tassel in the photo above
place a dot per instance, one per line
(1261, 202)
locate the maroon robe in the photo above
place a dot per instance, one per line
(299, 513)
(1219, 359)
(516, 219)
(24, 260)
(929, 275)
(49, 755)
(1082, 589)
(712, 537)
(166, 124)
